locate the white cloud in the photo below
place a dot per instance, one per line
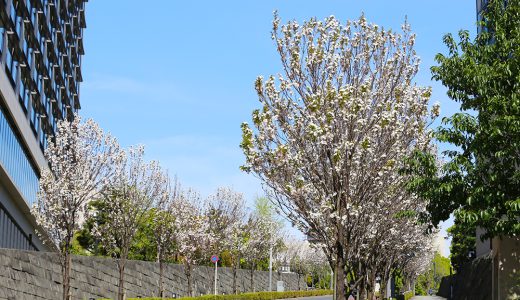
(149, 90)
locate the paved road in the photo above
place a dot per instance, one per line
(330, 298)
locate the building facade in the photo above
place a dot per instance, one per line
(503, 250)
(481, 5)
(41, 44)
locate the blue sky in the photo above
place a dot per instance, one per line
(177, 76)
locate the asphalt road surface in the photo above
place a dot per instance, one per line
(329, 297)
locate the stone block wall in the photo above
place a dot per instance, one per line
(37, 275)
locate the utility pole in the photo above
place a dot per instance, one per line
(334, 285)
(331, 278)
(271, 266)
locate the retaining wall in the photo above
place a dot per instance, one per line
(472, 282)
(37, 275)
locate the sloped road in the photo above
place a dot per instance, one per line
(330, 298)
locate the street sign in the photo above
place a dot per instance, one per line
(214, 259)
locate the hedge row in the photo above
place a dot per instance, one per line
(252, 296)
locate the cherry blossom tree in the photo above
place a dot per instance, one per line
(164, 226)
(127, 202)
(226, 213)
(257, 243)
(193, 235)
(237, 248)
(335, 126)
(296, 255)
(318, 266)
(391, 233)
(82, 162)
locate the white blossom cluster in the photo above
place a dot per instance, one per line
(86, 164)
(332, 135)
(83, 161)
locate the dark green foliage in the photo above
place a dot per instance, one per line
(398, 279)
(462, 242)
(143, 245)
(84, 237)
(253, 296)
(481, 179)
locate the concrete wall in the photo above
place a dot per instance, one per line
(37, 275)
(506, 268)
(482, 248)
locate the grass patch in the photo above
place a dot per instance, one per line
(251, 296)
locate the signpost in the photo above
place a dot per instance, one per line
(214, 259)
(270, 267)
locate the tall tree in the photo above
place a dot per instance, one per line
(463, 243)
(297, 255)
(82, 162)
(226, 214)
(128, 202)
(144, 246)
(333, 129)
(164, 228)
(226, 211)
(193, 235)
(257, 243)
(238, 237)
(481, 178)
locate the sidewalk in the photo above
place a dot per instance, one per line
(427, 298)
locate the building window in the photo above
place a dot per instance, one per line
(11, 235)
(16, 162)
(2, 32)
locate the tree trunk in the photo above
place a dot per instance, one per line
(339, 270)
(235, 271)
(363, 291)
(161, 278)
(382, 288)
(252, 278)
(384, 284)
(371, 286)
(65, 272)
(161, 270)
(298, 280)
(187, 271)
(121, 290)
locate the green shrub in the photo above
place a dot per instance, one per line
(408, 295)
(252, 296)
